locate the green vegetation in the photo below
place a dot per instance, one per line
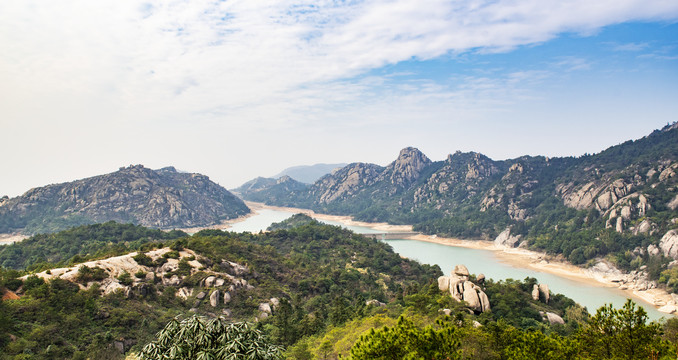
(292, 222)
(57, 319)
(323, 277)
(80, 244)
(200, 338)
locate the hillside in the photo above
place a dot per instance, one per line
(318, 290)
(161, 198)
(621, 203)
(323, 272)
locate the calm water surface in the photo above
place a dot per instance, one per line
(478, 261)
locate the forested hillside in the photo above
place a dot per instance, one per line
(311, 291)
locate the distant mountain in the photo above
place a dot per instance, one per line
(570, 206)
(308, 173)
(161, 198)
(281, 191)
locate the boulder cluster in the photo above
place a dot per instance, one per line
(462, 289)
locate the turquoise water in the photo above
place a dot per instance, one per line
(477, 260)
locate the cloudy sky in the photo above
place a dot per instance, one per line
(237, 89)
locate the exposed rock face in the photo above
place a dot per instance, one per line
(161, 198)
(406, 168)
(535, 292)
(461, 289)
(505, 239)
(345, 183)
(669, 244)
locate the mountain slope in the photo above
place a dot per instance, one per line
(162, 199)
(627, 193)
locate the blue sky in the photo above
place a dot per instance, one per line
(238, 89)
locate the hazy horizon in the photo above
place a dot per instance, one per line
(237, 89)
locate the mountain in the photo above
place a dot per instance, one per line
(161, 198)
(308, 174)
(623, 199)
(281, 191)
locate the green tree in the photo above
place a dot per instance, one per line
(621, 333)
(201, 339)
(406, 341)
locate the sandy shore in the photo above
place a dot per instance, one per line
(520, 258)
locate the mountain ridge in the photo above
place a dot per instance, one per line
(561, 205)
(163, 198)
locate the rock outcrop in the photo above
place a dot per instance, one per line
(553, 318)
(505, 239)
(461, 289)
(216, 288)
(541, 292)
(406, 168)
(669, 244)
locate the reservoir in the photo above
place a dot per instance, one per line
(477, 260)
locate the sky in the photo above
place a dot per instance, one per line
(239, 89)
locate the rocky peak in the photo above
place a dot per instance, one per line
(407, 167)
(284, 179)
(670, 127)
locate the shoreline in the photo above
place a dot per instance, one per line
(516, 257)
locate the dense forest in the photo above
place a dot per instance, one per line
(337, 294)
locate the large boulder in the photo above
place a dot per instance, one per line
(544, 291)
(471, 297)
(554, 319)
(444, 283)
(484, 301)
(461, 271)
(214, 298)
(669, 244)
(505, 239)
(535, 292)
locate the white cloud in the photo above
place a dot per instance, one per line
(182, 68)
(634, 46)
